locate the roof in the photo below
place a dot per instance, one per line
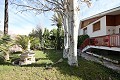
(113, 11)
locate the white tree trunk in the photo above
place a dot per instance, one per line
(65, 22)
(65, 51)
(73, 33)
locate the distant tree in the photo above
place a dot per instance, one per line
(6, 18)
(57, 20)
(39, 33)
(33, 33)
(46, 33)
(35, 44)
(53, 36)
(49, 38)
(46, 36)
(62, 39)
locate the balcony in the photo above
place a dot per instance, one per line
(103, 41)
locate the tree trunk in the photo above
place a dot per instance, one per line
(65, 22)
(65, 51)
(6, 18)
(73, 33)
(6, 56)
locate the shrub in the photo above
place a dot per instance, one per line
(23, 41)
(81, 39)
(35, 43)
(5, 44)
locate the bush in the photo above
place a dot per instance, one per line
(5, 39)
(81, 39)
(22, 40)
(35, 43)
(5, 44)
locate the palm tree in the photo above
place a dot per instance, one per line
(57, 20)
(5, 44)
(6, 18)
(23, 41)
(53, 38)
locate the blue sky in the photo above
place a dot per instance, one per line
(98, 6)
(25, 22)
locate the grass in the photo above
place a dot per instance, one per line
(87, 70)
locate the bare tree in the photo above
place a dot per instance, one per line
(69, 10)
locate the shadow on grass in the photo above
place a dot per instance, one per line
(13, 56)
(35, 65)
(87, 70)
(37, 59)
(3, 62)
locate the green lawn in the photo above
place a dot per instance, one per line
(87, 70)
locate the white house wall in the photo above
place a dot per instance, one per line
(100, 32)
(112, 29)
(117, 29)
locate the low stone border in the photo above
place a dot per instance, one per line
(107, 59)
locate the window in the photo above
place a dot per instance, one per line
(119, 30)
(84, 31)
(96, 26)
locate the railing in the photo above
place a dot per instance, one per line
(108, 41)
(85, 43)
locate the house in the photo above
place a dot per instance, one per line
(103, 29)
